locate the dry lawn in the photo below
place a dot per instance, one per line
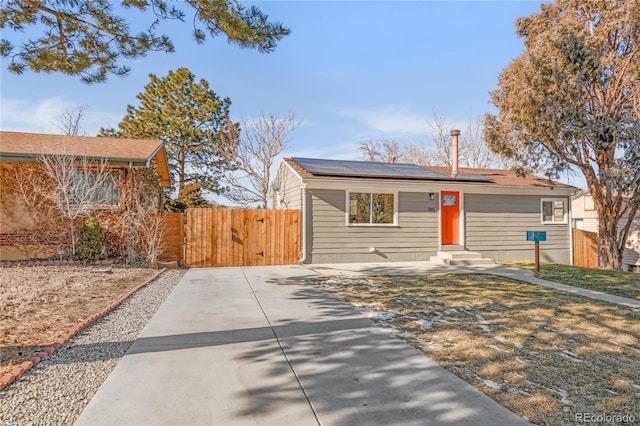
(40, 305)
(544, 354)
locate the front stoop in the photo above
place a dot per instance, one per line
(460, 257)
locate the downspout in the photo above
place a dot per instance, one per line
(303, 245)
(570, 220)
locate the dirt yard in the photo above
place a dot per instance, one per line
(40, 305)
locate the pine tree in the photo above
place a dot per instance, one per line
(186, 115)
(88, 37)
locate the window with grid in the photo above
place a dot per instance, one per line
(554, 210)
(370, 208)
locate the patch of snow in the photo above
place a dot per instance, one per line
(501, 339)
(518, 345)
(486, 328)
(491, 384)
(570, 358)
(495, 348)
(424, 324)
(522, 360)
(385, 331)
(481, 319)
(450, 311)
(612, 392)
(564, 399)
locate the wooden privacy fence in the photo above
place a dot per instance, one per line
(242, 237)
(173, 238)
(585, 248)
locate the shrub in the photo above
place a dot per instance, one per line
(91, 240)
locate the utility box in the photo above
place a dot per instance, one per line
(536, 236)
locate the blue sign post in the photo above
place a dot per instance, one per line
(536, 237)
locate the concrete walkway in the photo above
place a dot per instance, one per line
(419, 268)
(253, 346)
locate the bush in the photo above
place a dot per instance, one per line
(91, 241)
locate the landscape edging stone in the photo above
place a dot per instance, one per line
(25, 366)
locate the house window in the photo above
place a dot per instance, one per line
(97, 188)
(371, 208)
(554, 210)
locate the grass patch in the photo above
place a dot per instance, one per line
(625, 284)
(544, 354)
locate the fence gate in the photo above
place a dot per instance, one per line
(242, 237)
(585, 248)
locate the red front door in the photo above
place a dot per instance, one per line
(450, 216)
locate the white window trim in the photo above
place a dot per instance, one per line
(554, 222)
(377, 225)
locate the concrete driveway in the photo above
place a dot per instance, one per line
(255, 346)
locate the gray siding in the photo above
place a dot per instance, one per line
(496, 226)
(286, 185)
(631, 255)
(330, 240)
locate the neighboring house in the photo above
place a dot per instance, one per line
(356, 211)
(22, 150)
(585, 217)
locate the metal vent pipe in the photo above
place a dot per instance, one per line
(454, 153)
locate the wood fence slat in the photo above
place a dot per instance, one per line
(585, 248)
(173, 237)
(236, 237)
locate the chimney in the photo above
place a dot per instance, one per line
(454, 153)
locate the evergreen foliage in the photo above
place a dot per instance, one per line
(190, 196)
(91, 240)
(89, 37)
(187, 116)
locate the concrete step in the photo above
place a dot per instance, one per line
(452, 247)
(460, 258)
(459, 255)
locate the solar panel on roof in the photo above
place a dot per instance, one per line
(472, 178)
(414, 171)
(317, 166)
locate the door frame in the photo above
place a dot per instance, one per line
(461, 217)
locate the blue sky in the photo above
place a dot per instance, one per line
(352, 70)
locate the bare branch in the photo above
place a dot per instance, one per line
(253, 150)
(69, 122)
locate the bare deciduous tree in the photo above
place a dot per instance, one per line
(70, 121)
(139, 230)
(477, 152)
(440, 150)
(473, 150)
(78, 188)
(252, 151)
(416, 154)
(63, 188)
(385, 150)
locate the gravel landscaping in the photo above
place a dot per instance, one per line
(57, 389)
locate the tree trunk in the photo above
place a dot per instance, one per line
(609, 255)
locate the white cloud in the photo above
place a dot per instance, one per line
(42, 116)
(392, 119)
